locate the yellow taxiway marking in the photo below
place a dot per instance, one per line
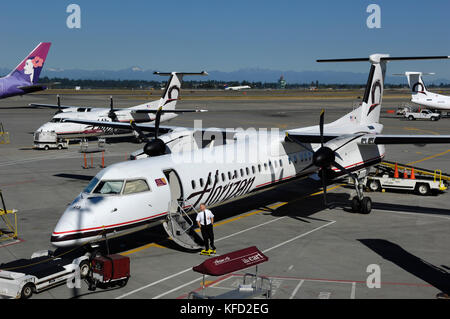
(429, 157)
(420, 130)
(129, 252)
(142, 248)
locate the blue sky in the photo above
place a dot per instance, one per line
(226, 35)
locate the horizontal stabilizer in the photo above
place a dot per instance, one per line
(32, 88)
(180, 73)
(437, 57)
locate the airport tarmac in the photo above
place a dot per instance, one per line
(313, 252)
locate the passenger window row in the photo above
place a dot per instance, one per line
(242, 172)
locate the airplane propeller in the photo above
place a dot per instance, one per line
(58, 102)
(323, 158)
(112, 114)
(156, 146)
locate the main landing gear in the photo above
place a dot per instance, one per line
(360, 204)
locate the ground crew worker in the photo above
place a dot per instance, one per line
(205, 220)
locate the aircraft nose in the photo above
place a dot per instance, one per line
(68, 230)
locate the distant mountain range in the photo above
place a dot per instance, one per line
(251, 75)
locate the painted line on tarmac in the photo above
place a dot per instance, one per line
(415, 214)
(264, 251)
(296, 289)
(251, 213)
(190, 268)
(430, 157)
(420, 130)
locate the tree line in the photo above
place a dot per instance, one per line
(65, 83)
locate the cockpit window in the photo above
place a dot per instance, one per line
(108, 187)
(136, 186)
(91, 185)
(56, 120)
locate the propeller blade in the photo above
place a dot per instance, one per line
(350, 140)
(307, 167)
(343, 169)
(111, 114)
(139, 131)
(322, 115)
(157, 120)
(58, 102)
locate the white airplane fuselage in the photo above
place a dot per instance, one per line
(60, 127)
(431, 100)
(207, 177)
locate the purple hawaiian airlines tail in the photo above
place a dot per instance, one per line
(30, 68)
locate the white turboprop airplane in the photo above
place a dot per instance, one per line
(134, 193)
(140, 114)
(420, 95)
(237, 88)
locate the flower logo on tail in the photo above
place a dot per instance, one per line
(37, 62)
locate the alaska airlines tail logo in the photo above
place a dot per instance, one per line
(416, 89)
(376, 99)
(172, 94)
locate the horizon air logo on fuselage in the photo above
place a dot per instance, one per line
(221, 193)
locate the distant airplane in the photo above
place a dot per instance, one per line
(159, 110)
(23, 79)
(237, 88)
(421, 96)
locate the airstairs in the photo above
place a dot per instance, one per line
(180, 227)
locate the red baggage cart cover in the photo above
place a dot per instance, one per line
(234, 261)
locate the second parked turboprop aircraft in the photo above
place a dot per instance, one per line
(140, 113)
(420, 95)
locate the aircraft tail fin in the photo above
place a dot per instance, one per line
(173, 87)
(30, 68)
(370, 109)
(416, 83)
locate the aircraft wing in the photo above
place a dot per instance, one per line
(226, 133)
(405, 139)
(169, 111)
(122, 125)
(311, 137)
(379, 139)
(52, 106)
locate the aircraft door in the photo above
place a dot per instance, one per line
(176, 189)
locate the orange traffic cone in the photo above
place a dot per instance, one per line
(412, 174)
(405, 174)
(396, 171)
